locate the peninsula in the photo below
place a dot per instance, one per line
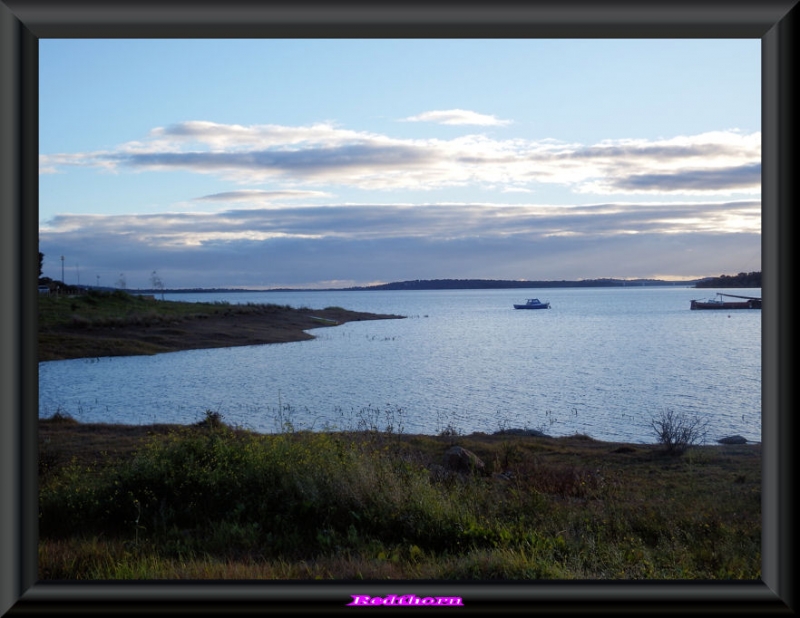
(116, 323)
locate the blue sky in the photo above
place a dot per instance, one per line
(331, 163)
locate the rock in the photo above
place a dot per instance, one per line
(733, 440)
(459, 459)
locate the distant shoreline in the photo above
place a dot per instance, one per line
(741, 280)
(444, 284)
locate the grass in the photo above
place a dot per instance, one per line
(122, 324)
(210, 501)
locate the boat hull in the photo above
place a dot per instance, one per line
(749, 304)
(530, 307)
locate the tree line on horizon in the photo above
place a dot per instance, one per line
(740, 280)
(482, 284)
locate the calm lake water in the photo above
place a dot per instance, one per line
(601, 361)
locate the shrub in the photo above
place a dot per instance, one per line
(60, 416)
(212, 420)
(677, 431)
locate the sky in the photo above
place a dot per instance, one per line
(331, 163)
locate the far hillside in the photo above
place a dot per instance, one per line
(742, 280)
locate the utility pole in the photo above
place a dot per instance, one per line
(62, 270)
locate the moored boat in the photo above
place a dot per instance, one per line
(533, 303)
(747, 302)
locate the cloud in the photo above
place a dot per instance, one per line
(259, 196)
(458, 117)
(724, 179)
(228, 136)
(301, 163)
(302, 261)
(436, 222)
(322, 155)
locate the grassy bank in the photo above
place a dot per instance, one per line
(212, 501)
(121, 324)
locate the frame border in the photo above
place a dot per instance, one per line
(24, 22)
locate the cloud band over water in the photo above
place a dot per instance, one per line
(679, 204)
(711, 163)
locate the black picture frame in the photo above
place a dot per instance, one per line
(24, 22)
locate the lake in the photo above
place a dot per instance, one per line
(600, 361)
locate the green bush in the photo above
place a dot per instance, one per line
(340, 502)
(283, 492)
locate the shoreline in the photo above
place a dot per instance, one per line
(145, 327)
(66, 424)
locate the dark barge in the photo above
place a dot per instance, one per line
(747, 302)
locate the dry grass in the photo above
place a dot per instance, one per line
(120, 324)
(364, 504)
